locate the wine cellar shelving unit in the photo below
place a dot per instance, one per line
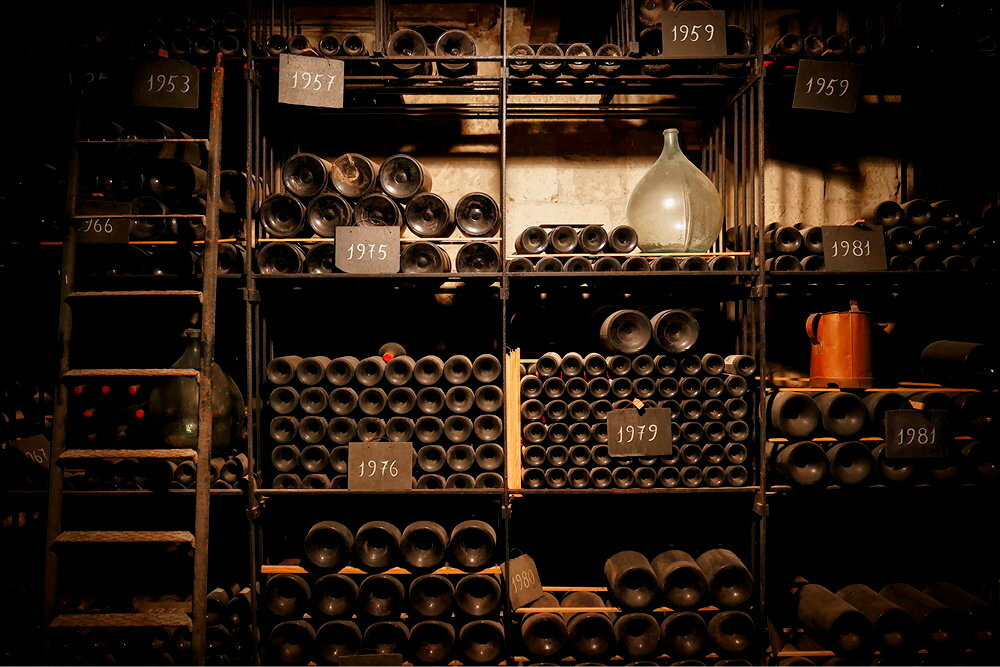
(773, 527)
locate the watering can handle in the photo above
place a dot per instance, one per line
(812, 327)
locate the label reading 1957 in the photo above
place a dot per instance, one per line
(853, 248)
(313, 82)
(383, 466)
(166, 83)
(912, 434)
(694, 33)
(827, 86)
(523, 584)
(633, 434)
(367, 249)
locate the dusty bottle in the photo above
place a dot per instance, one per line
(376, 545)
(637, 634)
(937, 625)
(732, 632)
(544, 635)
(335, 639)
(481, 641)
(477, 595)
(590, 632)
(851, 463)
(891, 628)
(380, 596)
(729, 581)
(291, 642)
(423, 545)
(353, 175)
(531, 241)
(456, 43)
(472, 544)
(685, 634)
(403, 44)
(377, 210)
(838, 623)
(679, 577)
(631, 579)
(982, 622)
(477, 214)
(795, 414)
(387, 637)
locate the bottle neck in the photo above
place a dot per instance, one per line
(671, 143)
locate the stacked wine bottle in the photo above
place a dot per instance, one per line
(791, 47)
(198, 37)
(566, 398)
(426, 40)
(899, 620)
(858, 455)
(426, 612)
(353, 191)
(587, 242)
(684, 629)
(229, 620)
(439, 405)
(797, 247)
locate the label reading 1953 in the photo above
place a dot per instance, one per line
(523, 584)
(911, 434)
(827, 86)
(853, 248)
(694, 33)
(383, 466)
(633, 434)
(367, 249)
(313, 82)
(166, 83)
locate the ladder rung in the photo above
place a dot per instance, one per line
(146, 619)
(142, 216)
(76, 454)
(123, 536)
(165, 292)
(131, 372)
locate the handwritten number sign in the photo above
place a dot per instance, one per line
(367, 249)
(523, 584)
(853, 248)
(694, 33)
(312, 82)
(166, 83)
(382, 466)
(633, 434)
(912, 434)
(827, 86)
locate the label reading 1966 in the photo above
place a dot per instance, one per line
(313, 82)
(633, 434)
(694, 33)
(911, 434)
(383, 466)
(523, 584)
(853, 248)
(827, 86)
(166, 83)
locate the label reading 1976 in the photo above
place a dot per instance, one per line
(827, 86)
(383, 466)
(853, 248)
(912, 434)
(166, 83)
(367, 249)
(312, 82)
(523, 584)
(694, 33)
(633, 434)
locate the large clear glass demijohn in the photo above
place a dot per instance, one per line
(675, 207)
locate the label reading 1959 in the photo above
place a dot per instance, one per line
(313, 82)
(166, 83)
(853, 248)
(694, 33)
(633, 434)
(383, 466)
(827, 86)
(911, 434)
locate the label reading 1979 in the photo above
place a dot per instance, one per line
(166, 83)
(313, 82)
(911, 434)
(853, 248)
(633, 434)
(827, 86)
(694, 33)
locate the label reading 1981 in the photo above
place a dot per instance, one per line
(383, 466)
(523, 584)
(312, 82)
(694, 33)
(827, 86)
(166, 83)
(853, 248)
(633, 434)
(367, 249)
(911, 434)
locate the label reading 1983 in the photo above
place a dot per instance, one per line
(633, 434)
(827, 86)
(853, 248)
(913, 434)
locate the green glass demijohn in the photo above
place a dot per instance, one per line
(173, 405)
(675, 207)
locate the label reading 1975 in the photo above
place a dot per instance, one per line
(694, 33)
(367, 249)
(913, 434)
(633, 434)
(827, 86)
(313, 82)
(166, 83)
(853, 248)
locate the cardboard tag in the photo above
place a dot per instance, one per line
(311, 82)
(853, 248)
(694, 33)
(367, 249)
(827, 86)
(642, 433)
(913, 434)
(523, 585)
(380, 466)
(166, 83)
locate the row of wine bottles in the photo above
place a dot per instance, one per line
(641, 477)
(130, 474)
(566, 239)
(898, 620)
(792, 46)
(487, 457)
(420, 546)
(841, 414)
(345, 401)
(155, 260)
(674, 577)
(181, 35)
(392, 366)
(427, 429)
(612, 264)
(416, 257)
(426, 642)
(683, 636)
(560, 456)
(724, 388)
(853, 463)
(567, 366)
(458, 480)
(630, 331)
